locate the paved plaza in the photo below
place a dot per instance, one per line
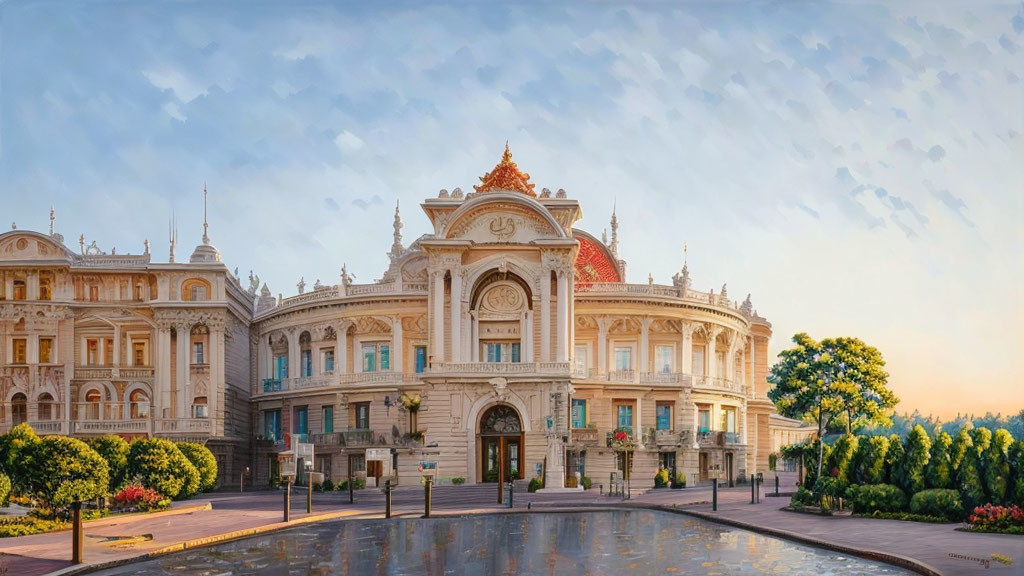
(936, 547)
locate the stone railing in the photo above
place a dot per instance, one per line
(140, 426)
(48, 427)
(181, 425)
(306, 382)
(274, 385)
(357, 437)
(585, 436)
(326, 439)
(622, 376)
(658, 290)
(665, 378)
(94, 372)
(499, 368)
(718, 383)
(136, 372)
(198, 369)
(364, 289)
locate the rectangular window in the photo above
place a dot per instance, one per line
(720, 363)
(663, 413)
(45, 350)
(44, 290)
(328, 361)
(581, 362)
(624, 415)
(385, 357)
(328, 421)
(301, 423)
(698, 360)
(272, 424)
(729, 419)
(139, 353)
(280, 367)
(20, 351)
(94, 293)
(307, 363)
(703, 419)
(421, 359)
(502, 351)
(363, 415)
(369, 358)
(108, 351)
(579, 413)
(19, 290)
(623, 359)
(663, 356)
(197, 353)
(138, 292)
(92, 352)
(198, 292)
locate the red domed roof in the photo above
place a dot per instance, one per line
(594, 262)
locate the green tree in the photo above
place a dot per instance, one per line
(915, 460)
(5, 489)
(894, 470)
(1017, 473)
(997, 467)
(968, 474)
(841, 460)
(17, 457)
(820, 381)
(114, 450)
(68, 469)
(871, 453)
(940, 471)
(204, 461)
(160, 465)
(961, 444)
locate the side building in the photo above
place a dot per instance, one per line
(93, 343)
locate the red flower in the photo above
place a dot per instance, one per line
(621, 436)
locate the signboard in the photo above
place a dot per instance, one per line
(378, 454)
(286, 464)
(429, 468)
(305, 451)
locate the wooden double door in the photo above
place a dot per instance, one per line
(501, 458)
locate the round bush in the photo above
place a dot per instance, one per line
(159, 464)
(661, 478)
(68, 470)
(204, 461)
(17, 455)
(938, 502)
(114, 450)
(876, 497)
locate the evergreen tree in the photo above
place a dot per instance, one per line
(940, 470)
(969, 480)
(915, 460)
(894, 461)
(997, 467)
(1016, 495)
(961, 443)
(871, 453)
(842, 457)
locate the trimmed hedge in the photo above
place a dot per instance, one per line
(938, 502)
(869, 498)
(114, 450)
(66, 469)
(27, 525)
(204, 461)
(5, 489)
(160, 465)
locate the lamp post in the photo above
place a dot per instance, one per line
(241, 479)
(309, 480)
(388, 404)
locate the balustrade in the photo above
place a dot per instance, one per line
(585, 436)
(553, 368)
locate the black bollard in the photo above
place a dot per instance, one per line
(77, 539)
(753, 488)
(714, 494)
(309, 495)
(288, 501)
(511, 491)
(351, 490)
(428, 484)
(387, 498)
(776, 485)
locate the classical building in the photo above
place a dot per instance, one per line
(506, 343)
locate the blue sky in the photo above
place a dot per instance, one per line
(857, 168)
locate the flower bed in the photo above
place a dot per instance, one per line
(137, 498)
(997, 519)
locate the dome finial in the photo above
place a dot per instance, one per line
(206, 226)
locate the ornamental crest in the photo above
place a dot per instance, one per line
(500, 386)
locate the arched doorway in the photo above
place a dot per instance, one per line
(501, 444)
(19, 409)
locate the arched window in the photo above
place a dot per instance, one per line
(199, 407)
(19, 408)
(46, 408)
(93, 398)
(138, 404)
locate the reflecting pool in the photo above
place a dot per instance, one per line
(620, 543)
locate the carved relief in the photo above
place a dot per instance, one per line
(586, 323)
(371, 325)
(502, 222)
(415, 324)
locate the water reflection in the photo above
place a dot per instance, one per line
(634, 542)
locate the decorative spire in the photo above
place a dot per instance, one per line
(146, 244)
(615, 233)
(747, 308)
(53, 217)
(172, 233)
(81, 243)
(684, 254)
(506, 176)
(396, 245)
(206, 226)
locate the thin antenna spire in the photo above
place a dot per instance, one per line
(53, 217)
(615, 232)
(206, 226)
(172, 233)
(684, 253)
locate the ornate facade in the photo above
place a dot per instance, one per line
(505, 342)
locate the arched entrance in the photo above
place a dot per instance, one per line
(501, 444)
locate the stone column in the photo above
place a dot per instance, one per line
(687, 357)
(216, 380)
(638, 420)
(528, 337)
(645, 355)
(294, 355)
(117, 346)
(396, 344)
(456, 314)
(752, 369)
(437, 317)
(545, 315)
(474, 344)
(184, 336)
(602, 344)
(162, 364)
(341, 349)
(562, 322)
(711, 358)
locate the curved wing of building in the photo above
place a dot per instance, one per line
(506, 344)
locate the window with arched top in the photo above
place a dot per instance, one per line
(93, 400)
(46, 407)
(199, 407)
(195, 289)
(19, 408)
(138, 402)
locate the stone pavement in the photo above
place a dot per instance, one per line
(929, 544)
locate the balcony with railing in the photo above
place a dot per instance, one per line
(718, 383)
(110, 418)
(198, 369)
(183, 426)
(585, 436)
(107, 372)
(356, 437)
(622, 376)
(137, 372)
(94, 372)
(501, 368)
(274, 385)
(670, 378)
